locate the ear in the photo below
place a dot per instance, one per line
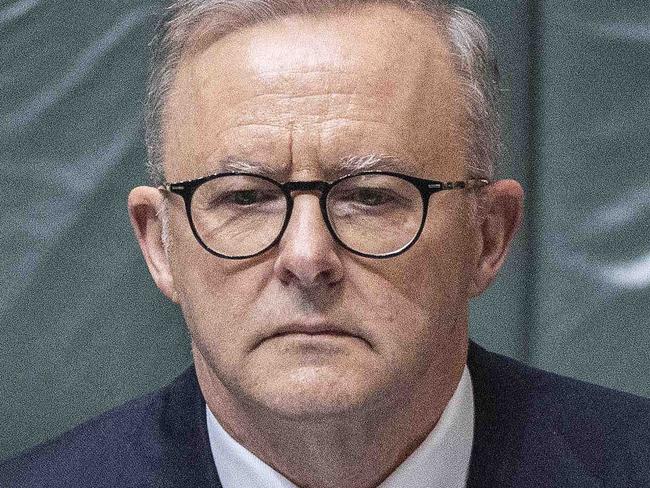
(500, 218)
(145, 207)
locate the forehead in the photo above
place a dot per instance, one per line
(310, 90)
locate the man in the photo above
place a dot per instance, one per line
(325, 212)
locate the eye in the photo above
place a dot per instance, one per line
(253, 200)
(245, 197)
(370, 197)
(240, 199)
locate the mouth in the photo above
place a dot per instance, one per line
(314, 330)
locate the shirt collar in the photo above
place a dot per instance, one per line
(441, 460)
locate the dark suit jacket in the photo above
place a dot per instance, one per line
(532, 429)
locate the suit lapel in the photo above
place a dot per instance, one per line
(516, 444)
(185, 448)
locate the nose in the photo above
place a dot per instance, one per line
(307, 254)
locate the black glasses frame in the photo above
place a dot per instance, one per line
(186, 189)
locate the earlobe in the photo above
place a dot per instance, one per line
(145, 207)
(500, 219)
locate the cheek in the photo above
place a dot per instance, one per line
(448, 247)
(429, 282)
(436, 271)
(416, 328)
(214, 294)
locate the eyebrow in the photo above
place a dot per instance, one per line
(346, 165)
(237, 165)
(369, 162)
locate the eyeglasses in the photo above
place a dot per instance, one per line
(372, 214)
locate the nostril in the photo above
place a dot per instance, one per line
(307, 270)
(308, 263)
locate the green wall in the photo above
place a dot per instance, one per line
(83, 327)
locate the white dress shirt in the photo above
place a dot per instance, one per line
(442, 460)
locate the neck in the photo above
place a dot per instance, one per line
(357, 450)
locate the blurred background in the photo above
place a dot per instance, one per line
(83, 327)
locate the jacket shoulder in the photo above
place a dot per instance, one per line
(116, 448)
(604, 431)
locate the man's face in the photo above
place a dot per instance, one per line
(299, 95)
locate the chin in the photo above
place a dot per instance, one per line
(313, 393)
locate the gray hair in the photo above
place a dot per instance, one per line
(189, 24)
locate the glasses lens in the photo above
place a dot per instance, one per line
(238, 215)
(375, 214)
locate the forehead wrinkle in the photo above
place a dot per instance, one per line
(281, 110)
(372, 84)
(246, 125)
(284, 85)
(337, 77)
(290, 107)
(325, 122)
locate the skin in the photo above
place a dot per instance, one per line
(299, 94)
